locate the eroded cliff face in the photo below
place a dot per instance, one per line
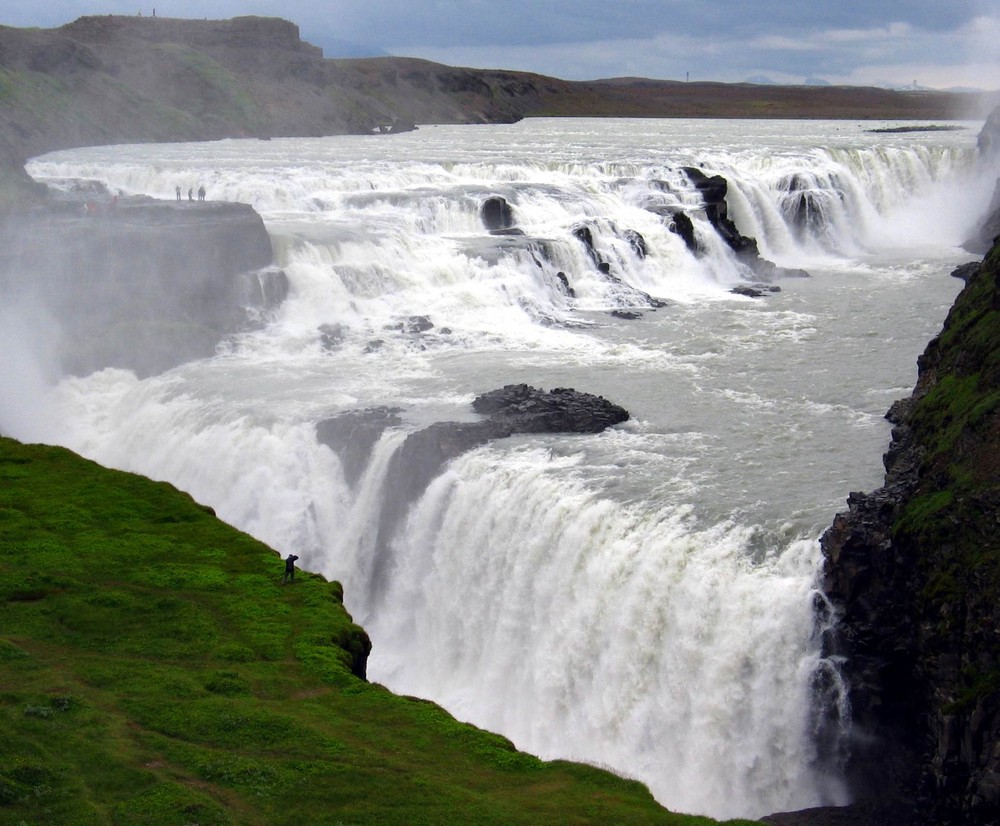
(138, 284)
(989, 153)
(914, 571)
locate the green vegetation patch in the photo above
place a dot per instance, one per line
(153, 670)
(213, 91)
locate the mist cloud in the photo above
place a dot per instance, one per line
(29, 343)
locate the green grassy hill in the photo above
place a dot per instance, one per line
(153, 670)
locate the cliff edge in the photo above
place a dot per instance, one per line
(136, 283)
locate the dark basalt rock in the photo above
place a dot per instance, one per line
(966, 271)
(413, 324)
(529, 410)
(626, 315)
(755, 290)
(868, 813)
(564, 283)
(682, 225)
(496, 214)
(585, 236)
(397, 126)
(636, 242)
(713, 190)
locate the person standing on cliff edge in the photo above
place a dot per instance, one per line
(289, 569)
(201, 193)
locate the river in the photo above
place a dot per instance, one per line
(642, 599)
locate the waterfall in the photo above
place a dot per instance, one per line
(642, 599)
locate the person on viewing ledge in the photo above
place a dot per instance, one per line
(289, 569)
(201, 193)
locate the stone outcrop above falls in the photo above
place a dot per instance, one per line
(525, 409)
(913, 571)
(497, 215)
(515, 408)
(137, 283)
(424, 453)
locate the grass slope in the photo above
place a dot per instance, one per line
(154, 671)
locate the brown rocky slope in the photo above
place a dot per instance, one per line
(114, 79)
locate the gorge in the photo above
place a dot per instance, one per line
(470, 307)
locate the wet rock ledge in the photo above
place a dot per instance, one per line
(515, 408)
(134, 282)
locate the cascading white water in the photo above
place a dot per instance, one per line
(642, 598)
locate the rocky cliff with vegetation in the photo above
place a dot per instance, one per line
(913, 570)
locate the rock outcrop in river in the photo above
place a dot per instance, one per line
(516, 408)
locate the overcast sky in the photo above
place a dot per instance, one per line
(937, 43)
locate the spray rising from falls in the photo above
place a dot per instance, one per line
(642, 598)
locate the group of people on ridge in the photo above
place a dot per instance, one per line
(201, 193)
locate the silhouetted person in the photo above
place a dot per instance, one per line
(191, 194)
(178, 193)
(201, 193)
(289, 569)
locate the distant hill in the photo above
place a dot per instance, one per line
(113, 79)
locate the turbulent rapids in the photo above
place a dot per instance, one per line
(644, 597)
